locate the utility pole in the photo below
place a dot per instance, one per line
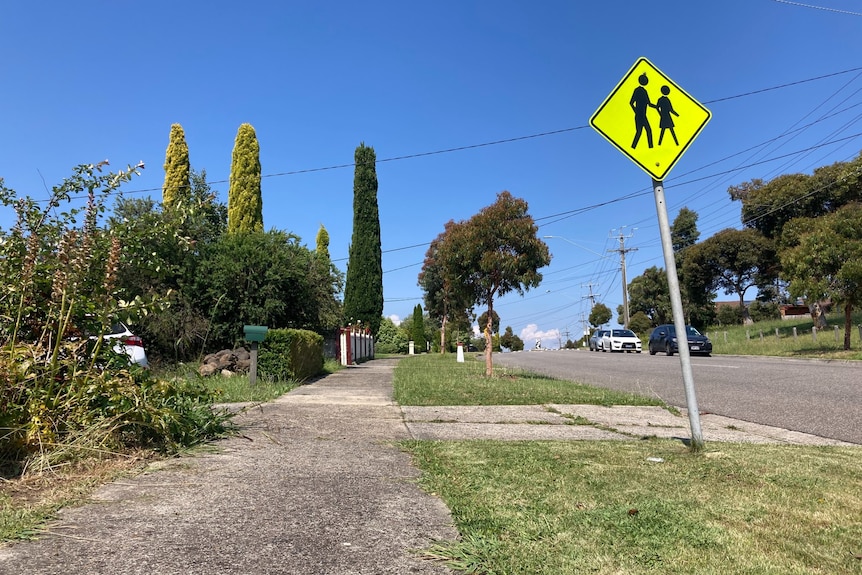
(585, 323)
(622, 251)
(591, 297)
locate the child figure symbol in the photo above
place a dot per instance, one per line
(666, 114)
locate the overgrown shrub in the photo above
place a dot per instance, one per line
(63, 391)
(290, 355)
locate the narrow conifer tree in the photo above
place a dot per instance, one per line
(363, 291)
(418, 329)
(244, 200)
(177, 168)
(322, 242)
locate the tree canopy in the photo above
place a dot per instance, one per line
(732, 260)
(600, 315)
(511, 341)
(649, 294)
(826, 260)
(684, 232)
(445, 299)
(768, 206)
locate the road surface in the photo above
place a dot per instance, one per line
(812, 396)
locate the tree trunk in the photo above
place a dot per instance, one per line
(443, 336)
(848, 324)
(489, 343)
(743, 311)
(817, 316)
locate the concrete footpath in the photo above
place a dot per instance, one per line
(316, 484)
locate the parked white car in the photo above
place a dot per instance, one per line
(621, 340)
(596, 339)
(126, 342)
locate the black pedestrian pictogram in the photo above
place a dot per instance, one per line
(666, 113)
(640, 104)
(657, 105)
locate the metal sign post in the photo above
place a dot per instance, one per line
(647, 103)
(697, 442)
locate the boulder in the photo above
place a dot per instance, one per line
(226, 362)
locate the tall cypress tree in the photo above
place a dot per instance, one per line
(363, 292)
(177, 168)
(244, 201)
(418, 329)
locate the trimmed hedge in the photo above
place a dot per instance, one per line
(290, 355)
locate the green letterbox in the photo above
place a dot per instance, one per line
(255, 332)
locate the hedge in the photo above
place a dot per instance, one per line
(290, 355)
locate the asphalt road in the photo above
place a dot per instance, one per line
(823, 398)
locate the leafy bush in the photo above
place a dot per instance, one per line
(390, 338)
(262, 279)
(764, 311)
(729, 315)
(290, 355)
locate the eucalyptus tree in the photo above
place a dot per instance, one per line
(493, 253)
(825, 260)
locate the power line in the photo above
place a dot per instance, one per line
(800, 4)
(496, 142)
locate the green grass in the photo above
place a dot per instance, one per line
(761, 339)
(237, 389)
(603, 507)
(434, 379)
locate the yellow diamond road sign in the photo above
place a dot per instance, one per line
(650, 119)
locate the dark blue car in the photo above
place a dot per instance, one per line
(663, 338)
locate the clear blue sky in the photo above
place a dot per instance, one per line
(90, 80)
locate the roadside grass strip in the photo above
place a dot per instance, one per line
(645, 507)
(434, 379)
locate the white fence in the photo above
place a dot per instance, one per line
(355, 345)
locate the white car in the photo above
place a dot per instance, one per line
(621, 340)
(124, 341)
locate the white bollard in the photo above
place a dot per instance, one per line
(460, 353)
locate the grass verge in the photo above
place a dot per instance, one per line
(646, 507)
(777, 338)
(434, 379)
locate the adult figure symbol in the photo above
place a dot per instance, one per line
(640, 104)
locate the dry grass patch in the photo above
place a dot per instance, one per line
(28, 502)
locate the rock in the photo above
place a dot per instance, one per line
(227, 362)
(207, 370)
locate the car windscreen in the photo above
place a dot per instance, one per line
(624, 333)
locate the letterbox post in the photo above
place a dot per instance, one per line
(254, 334)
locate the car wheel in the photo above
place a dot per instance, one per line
(668, 349)
(638, 351)
(651, 350)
